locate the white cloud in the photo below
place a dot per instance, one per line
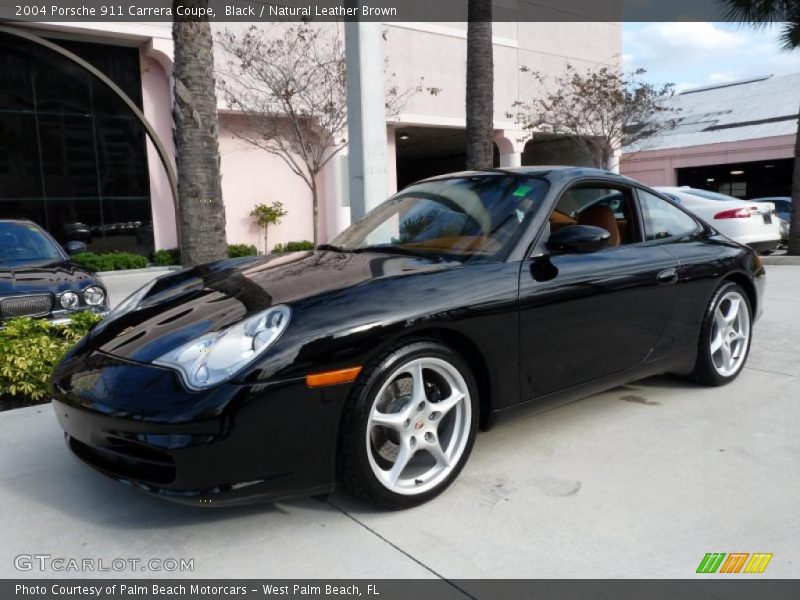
(722, 77)
(704, 53)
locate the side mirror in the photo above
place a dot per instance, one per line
(581, 239)
(74, 247)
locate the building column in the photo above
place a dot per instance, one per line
(366, 116)
(616, 159)
(157, 86)
(510, 147)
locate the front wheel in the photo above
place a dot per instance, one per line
(410, 426)
(724, 337)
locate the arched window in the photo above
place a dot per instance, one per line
(72, 155)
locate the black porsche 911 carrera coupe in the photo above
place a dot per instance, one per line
(374, 359)
(38, 279)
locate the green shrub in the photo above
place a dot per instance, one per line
(172, 256)
(293, 247)
(29, 350)
(239, 250)
(110, 261)
(166, 258)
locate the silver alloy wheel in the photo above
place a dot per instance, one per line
(418, 426)
(730, 334)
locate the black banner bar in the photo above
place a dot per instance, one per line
(746, 587)
(365, 10)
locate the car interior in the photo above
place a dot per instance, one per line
(610, 209)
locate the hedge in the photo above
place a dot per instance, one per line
(29, 350)
(239, 250)
(110, 261)
(165, 258)
(293, 247)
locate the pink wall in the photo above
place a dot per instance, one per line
(658, 167)
(251, 176)
(156, 104)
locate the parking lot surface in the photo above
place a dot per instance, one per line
(637, 482)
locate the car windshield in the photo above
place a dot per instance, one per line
(469, 218)
(25, 242)
(710, 195)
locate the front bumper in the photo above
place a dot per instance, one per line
(234, 444)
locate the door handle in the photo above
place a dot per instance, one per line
(668, 276)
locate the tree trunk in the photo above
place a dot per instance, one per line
(480, 85)
(794, 225)
(266, 244)
(315, 206)
(201, 211)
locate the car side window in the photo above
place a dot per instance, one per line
(611, 208)
(662, 220)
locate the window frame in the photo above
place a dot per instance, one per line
(539, 249)
(699, 226)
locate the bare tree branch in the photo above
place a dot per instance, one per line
(289, 86)
(597, 111)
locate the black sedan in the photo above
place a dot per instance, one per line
(37, 278)
(374, 359)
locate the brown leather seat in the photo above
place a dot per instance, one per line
(601, 216)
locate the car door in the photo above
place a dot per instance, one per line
(700, 264)
(586, 316)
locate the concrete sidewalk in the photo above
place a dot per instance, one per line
(640, 481)
(121, 284)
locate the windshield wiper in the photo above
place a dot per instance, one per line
(389, 249)
(332, 248)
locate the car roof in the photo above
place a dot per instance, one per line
(27, 221)
(536, 171)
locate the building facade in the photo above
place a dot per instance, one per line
(74, 158)
(735, 138)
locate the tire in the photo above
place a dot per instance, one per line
(386, 421)
(712, 366)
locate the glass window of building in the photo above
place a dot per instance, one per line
(72, 155)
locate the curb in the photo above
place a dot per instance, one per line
(781, 260)
(153, 270)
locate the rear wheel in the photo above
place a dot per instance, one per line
(410, 426)
(724, 337)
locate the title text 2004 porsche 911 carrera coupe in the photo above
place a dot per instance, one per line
(373, 360)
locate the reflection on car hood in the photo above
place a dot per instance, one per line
(43, 277)
(187, 304)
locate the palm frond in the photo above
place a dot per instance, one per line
(756, 12)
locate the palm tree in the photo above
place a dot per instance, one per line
(201, 213)
(480, 85)
(762, 13)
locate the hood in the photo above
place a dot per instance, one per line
(45, 277)
(187, 304)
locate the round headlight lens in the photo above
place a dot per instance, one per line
(94, 295)
(69, 300)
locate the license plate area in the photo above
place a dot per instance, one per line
(767, 218)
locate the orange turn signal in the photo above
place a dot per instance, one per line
(327, 378)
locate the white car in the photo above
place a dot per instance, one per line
(754, 224)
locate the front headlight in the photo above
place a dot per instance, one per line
(93, 295)
(69, 300)
(216, 357)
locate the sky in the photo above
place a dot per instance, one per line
(697, 54)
